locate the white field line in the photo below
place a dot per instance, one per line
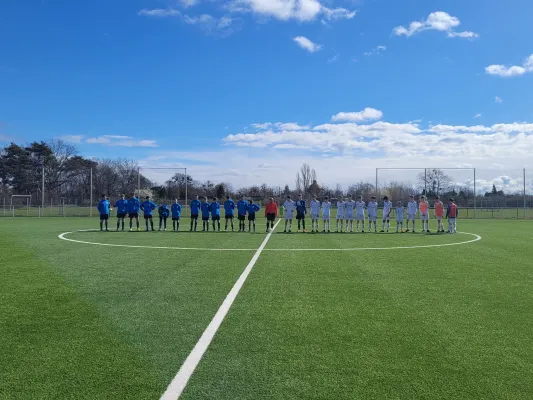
(63, 237)
(178, 384)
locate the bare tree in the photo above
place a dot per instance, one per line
(435, 180)
(305, 178)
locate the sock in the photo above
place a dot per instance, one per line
(123, 224)
(101, 225)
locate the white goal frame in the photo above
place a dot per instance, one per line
(27, 196)
(425, 169)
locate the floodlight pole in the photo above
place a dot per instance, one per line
(42, 194)
(186, 185)
(139, 182)
(425, 182)
(377, 195)
(525, 213)
(475, 196)
(91, 195)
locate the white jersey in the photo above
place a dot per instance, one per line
(412, 207)
(399, 214)
(340, 209)
(387, 207)
(326, 209)
(289, 207)
(315, 209)
(360, 207)
(349, 207)
(372, 209)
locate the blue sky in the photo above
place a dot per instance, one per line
(246, 90)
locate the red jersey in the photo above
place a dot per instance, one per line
(271, 208)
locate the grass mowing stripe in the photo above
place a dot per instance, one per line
(179, 382)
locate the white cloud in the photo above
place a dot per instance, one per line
(333, 59)
(498, 99)
(307, 44)
(188, 3)
(159, 12)
(285, 10)
(477, 115)
(120, 141)
(376, 50)
(71, 138)
(287, 126)
(439, 21)
(367, 114)
(515, 70)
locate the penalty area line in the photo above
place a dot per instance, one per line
(179, 383)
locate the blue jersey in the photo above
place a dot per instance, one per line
(148, 206)
(195, 207)
(205, 209)
(229, 207)
(215, 209)
(103, 207)
(176, 210)
(252, 208)
(163, 210)
(300, 206)
(242, 207)
(121, 206)
(134, 205)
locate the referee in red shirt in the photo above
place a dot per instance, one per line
(271, 212)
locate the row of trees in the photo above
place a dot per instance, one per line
(67, 176)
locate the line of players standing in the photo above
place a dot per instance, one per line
(210, 211)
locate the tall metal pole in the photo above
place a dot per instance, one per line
(186, 185)
(42, 194)
(376, 187)
(91, 195)
(139, 182)
(426, 182)
(525, 204)
(475, 193)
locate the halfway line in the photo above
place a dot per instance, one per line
(178, 384)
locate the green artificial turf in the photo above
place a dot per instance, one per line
(102, 322)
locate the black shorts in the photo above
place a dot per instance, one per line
(147, 217)
(229, 216)
(163, 216)
(300, 215)
(121, 215)
(251, 217)
(216, 218)
(205, 218)
(271, 217)
(104, 217)
(133, 215)
(194, 216)
(175, 218)
(242, 217)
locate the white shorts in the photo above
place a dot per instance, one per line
(411, 217)
(360, 217)
(439, 218)
(386, 215)
(372, 217)
(349, 217)
(340, 216)
(289, 215)
(424, 217)
(399, 220)
(314, 216)
(452, 220)
(325, 217)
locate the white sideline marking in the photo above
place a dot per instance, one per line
(178, 384)
(62, 236)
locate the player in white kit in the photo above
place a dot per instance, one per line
(399, 216)
(372, 214)
(315, 214)
(289, 206)
(340, 213)
(360, 206)
(348, 213)
(326, 212)
(387, 209)
(412, 209)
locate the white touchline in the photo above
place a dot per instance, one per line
(178, 384)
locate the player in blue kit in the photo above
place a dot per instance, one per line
(122, 209)
(205, 208)
(301, 210)
(242, 208)
(176, 213)
(229, 211)
(195, 211)
(103, 208)
(134, 206)
(252, 208)
(215, 213)
(163, 212)
(147, 207)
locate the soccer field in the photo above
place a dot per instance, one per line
(320, 316)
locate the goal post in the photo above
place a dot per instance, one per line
(24, 196)
(458, 182)
(173, 182)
